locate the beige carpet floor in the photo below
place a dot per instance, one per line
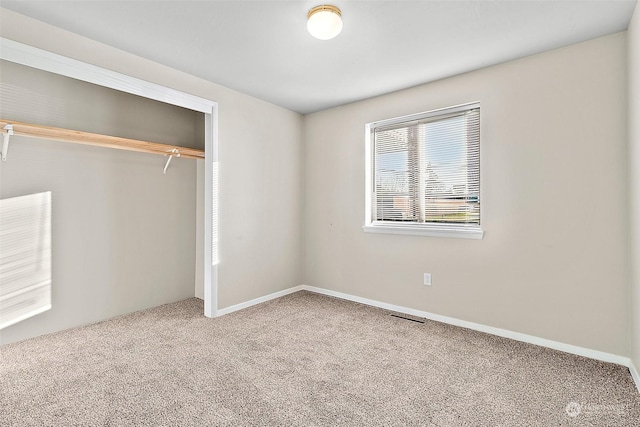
(301, 360)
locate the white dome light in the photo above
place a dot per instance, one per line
(324, 22)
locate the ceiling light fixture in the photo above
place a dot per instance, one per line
(324, 22)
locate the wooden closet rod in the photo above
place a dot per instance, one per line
(79, 137)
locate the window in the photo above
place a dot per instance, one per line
(423, 174)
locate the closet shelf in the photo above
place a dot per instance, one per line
(79, 137)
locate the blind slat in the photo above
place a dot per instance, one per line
(427, 169)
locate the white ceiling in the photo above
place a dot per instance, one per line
(262, 47)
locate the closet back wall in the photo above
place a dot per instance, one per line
(123, 233)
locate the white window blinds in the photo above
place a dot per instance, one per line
(426, 168)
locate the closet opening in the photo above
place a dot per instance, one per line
(112, 205)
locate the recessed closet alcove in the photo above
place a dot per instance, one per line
(125, 235)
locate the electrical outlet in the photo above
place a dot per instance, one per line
(427, 279)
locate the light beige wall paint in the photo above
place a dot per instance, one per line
(261, 184)
(260, 153)
(123, 233)
(553, 260)
(633, 61)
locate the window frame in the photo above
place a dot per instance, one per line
(468, 231)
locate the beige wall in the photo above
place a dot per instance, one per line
(633, 59)
(553, 261)
(260, 154)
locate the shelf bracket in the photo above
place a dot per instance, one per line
(5, 140)
(175, 152)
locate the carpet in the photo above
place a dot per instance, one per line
(301, 360)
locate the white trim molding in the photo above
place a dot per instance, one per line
(415, 230)
(567, 348)
(530, 339)
(634, 374)
(255, 301)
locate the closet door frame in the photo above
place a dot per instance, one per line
(30, 56)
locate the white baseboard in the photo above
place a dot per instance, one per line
(567, 348)
(634, 374)
(530, 339)
(231, 309)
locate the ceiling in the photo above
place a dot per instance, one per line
(262, 47)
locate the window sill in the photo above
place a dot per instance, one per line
(433, 231)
